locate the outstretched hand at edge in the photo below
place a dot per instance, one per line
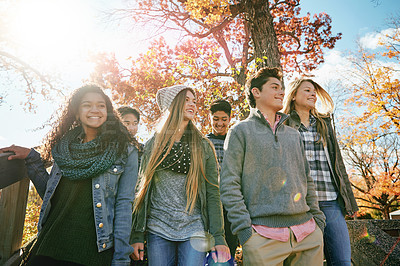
(20, 152)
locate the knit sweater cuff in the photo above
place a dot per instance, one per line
(244, 235)
(136, 237)
(220, 240)
(321, 224)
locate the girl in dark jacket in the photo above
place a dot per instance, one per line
(326, 164)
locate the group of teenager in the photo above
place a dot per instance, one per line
(274, 183)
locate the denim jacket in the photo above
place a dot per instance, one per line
(113, 194)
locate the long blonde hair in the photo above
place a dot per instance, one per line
(323, 96)
(165, 138)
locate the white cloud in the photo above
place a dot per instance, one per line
(339, 66)
(335, 66)
(371, 39)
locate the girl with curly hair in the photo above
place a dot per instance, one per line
(85, 217)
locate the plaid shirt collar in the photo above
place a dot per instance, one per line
(313, 122)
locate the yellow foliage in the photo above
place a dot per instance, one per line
(32, 215)
(376, 93)
(209, 11)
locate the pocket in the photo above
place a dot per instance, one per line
(319, 231)
(116, 169)
(112, 176)
(253, 232)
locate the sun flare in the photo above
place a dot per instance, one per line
(52, 31)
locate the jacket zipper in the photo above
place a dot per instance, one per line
(280, 123)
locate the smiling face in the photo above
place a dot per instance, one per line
(306, 96)
(92, 111)
(190, 107)
(270, 98)
(219, 122)
(131, 122)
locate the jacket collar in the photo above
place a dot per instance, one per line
(254, 112)
(294, 120)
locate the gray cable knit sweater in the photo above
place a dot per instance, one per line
(265, 177)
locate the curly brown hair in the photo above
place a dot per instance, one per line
(112, 130)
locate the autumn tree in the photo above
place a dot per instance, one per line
(32, 215)
(247, 34)
(269, 33)
(195, 63)
(376, 89)
(374, 169)
(373, 133)
(33, 82)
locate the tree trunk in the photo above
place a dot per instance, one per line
(261, 28)
(386, 213)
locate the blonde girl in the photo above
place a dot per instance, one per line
(332, 184)
(178, 203)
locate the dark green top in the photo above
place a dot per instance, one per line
(69, 233)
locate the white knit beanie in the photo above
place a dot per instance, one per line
(166, 95)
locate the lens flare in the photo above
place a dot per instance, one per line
(276, 184)
(202, 241)
(368, 237)
(297, 197)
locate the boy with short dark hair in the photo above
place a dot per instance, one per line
(220, 117)
(266, 186)
(130, 117)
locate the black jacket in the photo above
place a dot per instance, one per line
(338, 171)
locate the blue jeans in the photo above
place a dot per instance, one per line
(162, 252)
(337, 248)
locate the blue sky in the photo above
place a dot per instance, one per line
(353, 18)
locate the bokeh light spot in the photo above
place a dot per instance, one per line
(297, 197)
(202, 242)
(368, 237)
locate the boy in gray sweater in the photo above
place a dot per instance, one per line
(266, 186)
